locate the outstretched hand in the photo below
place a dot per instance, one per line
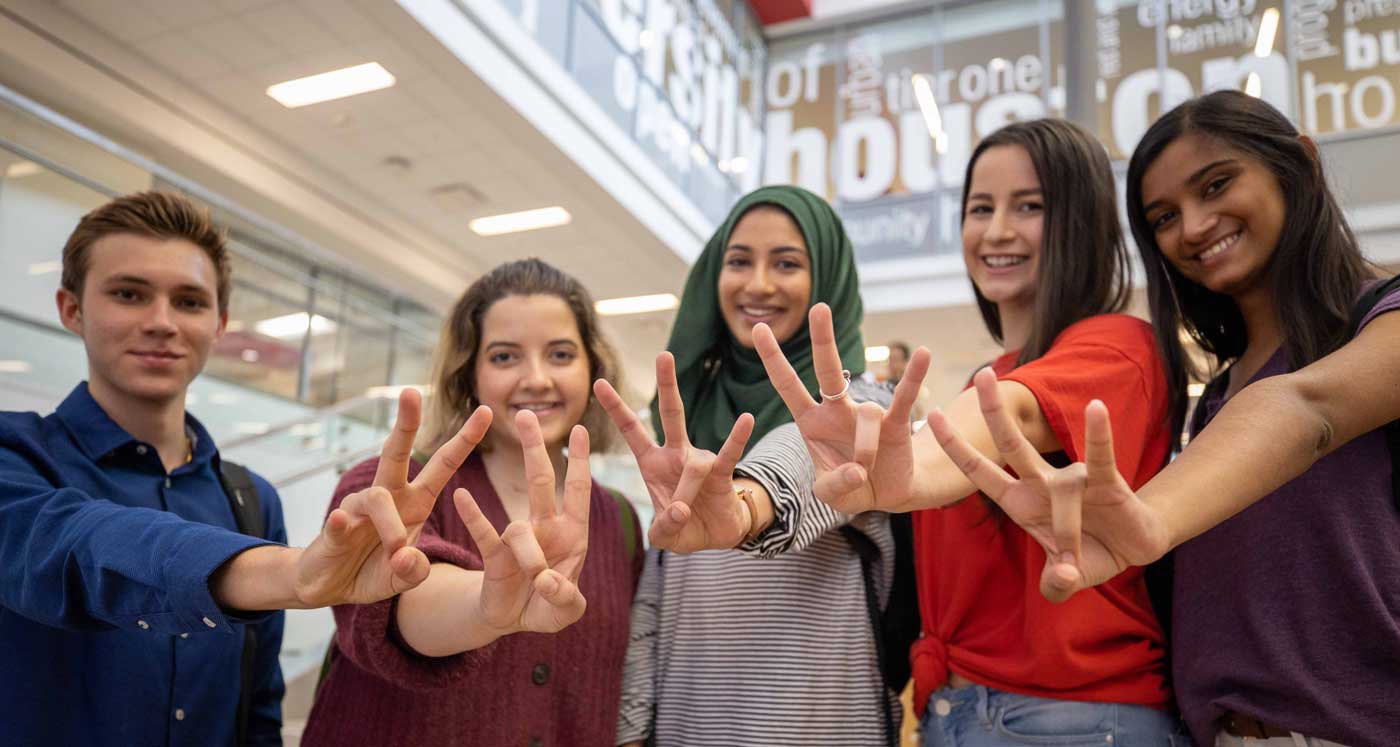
(692, 490)
(531, 570)
(1090, 523)
(365, 550)
(863, 454)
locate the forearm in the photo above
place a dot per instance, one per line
(937, 481)
(1265, 436)
(780, 470)
(259, 578)
(442, 616)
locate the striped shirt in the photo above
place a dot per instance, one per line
(770, 644)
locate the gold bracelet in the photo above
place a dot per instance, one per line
(746, 495)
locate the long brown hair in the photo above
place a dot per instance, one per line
(454, 362)
(1316, 272)
(1084, 268)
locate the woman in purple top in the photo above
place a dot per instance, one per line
(460, 659)
(1286, 598)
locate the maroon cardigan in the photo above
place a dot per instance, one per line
(521, 690)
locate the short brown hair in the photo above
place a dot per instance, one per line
(157, 215)
(454, 362)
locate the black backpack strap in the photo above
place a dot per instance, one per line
(242, 494)
(243, 498)
(1364, 305)
(869, 555)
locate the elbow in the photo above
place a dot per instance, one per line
(1306, 404)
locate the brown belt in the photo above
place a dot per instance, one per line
(1240, 725)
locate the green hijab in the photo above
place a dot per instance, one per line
(719, 378)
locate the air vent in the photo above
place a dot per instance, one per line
(456, 198)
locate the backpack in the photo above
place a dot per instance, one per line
(1368, 301)
(896, 627)
(242, 494)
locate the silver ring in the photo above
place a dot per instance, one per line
(833, 397)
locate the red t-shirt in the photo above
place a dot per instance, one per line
(979, 573)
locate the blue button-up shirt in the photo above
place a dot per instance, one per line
(108, 632)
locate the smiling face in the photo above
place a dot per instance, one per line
(531, 357)
(148, 316)
(1002, 225)
(1215, 212)
(766, 277)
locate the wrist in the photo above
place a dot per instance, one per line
(757, 505)
(259, 578)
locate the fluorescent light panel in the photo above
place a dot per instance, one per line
(525, 220)
(20, 169)
(15, 367)
(337, 84)
(637, 304)
(1268, 29)
(44, 268)
(928, 106)
(877, 353)
(293, 325)
(1252, 85)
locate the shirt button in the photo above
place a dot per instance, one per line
(141, 449)
(210, 623)
(535, 742)
(942, 707)
(184, 635)
(540, 674)
(142, 624)
(179, 714)
(167, 482)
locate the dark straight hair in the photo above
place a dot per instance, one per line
(1084, 269)
(1316, 272)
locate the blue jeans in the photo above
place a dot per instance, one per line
(976, 716)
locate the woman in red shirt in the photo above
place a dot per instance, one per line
(460, 654)
(997, 663)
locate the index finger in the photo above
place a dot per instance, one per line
(622, 416)
(826, 357)
(1010, 441)
(398, 446)
(989, 478)
(784, 379)
(450, 457)
(539, 472)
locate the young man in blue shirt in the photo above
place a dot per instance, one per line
(124, 583)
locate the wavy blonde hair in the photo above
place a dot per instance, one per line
(454, 361)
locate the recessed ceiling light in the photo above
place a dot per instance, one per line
(293, 325)
(637, 304)
(1268, 29)
(337, 84)
(526, 220)
(20, 169)
(15, 367)
(877, 353)
(44, 268)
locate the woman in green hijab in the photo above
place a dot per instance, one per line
(764, 644)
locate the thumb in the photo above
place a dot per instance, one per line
(1060, 578)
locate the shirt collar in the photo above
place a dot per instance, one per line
(98, 435)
